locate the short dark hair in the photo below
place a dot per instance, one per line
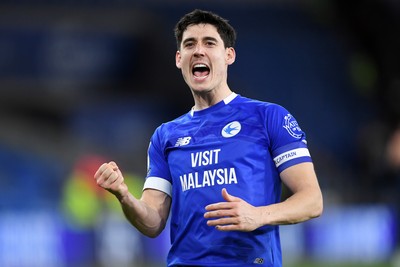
(197, 16)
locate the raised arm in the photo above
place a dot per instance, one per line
(148, 214)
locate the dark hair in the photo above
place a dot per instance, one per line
(197, 16)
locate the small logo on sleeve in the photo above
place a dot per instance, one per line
(258, 261)
(291, 125)
(231, 129)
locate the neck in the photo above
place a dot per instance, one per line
(203, 100)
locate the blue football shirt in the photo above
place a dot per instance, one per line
(240, 144)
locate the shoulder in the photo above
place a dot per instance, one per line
(163, 132)
(255, 105)
(172, 124)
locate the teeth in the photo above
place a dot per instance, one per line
(200, 66)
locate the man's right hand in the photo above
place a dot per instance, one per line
(109, 177)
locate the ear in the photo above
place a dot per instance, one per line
(230, 55)
(178, 59)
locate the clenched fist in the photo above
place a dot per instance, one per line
(109, 177)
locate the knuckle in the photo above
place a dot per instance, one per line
(235, 213)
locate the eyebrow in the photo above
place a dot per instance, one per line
(192, 39)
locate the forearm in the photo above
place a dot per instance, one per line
(306, 201)
(300, 207)
(143, 217)
(149, 214)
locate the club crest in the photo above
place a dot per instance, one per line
(231, 129)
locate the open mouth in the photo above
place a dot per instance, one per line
(200, 70)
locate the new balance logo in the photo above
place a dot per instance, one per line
(183, 141)
(258, 261)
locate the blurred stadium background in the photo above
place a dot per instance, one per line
(83, 82)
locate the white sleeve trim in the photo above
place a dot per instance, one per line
(159, 184)
(291, 154)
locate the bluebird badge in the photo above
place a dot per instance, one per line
(231, 129)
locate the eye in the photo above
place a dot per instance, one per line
(210, 43)
(188, 44)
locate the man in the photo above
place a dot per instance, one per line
(218, 169)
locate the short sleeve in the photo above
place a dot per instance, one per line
(287, 139)
(158, 175)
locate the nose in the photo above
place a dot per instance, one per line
(199, 50)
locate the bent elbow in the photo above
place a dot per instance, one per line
(318, 208)
(153, 232)
(317, 212)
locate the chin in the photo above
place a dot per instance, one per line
(201, 90)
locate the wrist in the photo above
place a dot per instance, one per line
(122, 194)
